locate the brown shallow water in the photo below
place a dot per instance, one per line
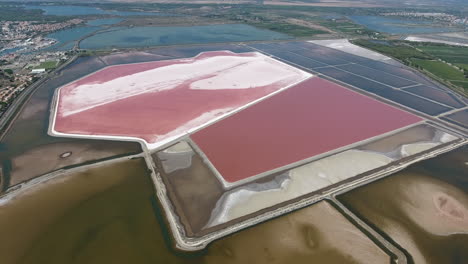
(24, 147)
(50, 157)
(193, 189)
(317, 234)
(106, 215)
(36, 214)
(424, 209)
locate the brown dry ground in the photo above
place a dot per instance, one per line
(424, 208)
(309, 25)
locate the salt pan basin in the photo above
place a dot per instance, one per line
(162, 100)
(308, 120)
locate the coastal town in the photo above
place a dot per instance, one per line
(19, 30)
(436, 17)
(28, 35)
(18, 71)
(19, 66)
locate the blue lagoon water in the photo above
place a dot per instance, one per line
(154, 36)
(8, 51)
(104, 21)
(66, 36)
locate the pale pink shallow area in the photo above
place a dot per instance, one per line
(160, 100)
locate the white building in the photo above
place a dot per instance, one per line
(37, 71)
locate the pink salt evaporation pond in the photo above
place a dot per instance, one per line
(162, 100)
(309, 119)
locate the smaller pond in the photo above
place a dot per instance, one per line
(154, 36)
(399, 26)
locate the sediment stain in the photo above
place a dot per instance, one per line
(316, 234)
(423, 209)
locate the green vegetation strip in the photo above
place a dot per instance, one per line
(444, 63)
(440, 68)
(447, 53)
(47, 65)
(397, 50)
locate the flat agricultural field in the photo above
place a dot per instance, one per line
(47, 65)
(447, 53)
(441, 69)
